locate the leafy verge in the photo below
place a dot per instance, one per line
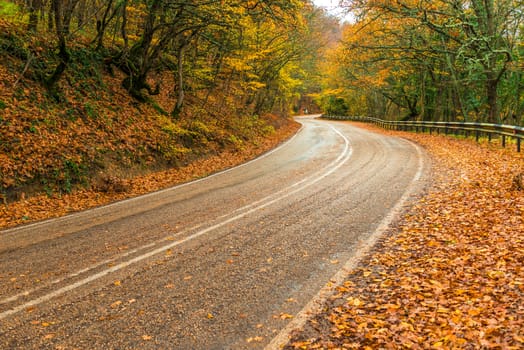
(96, 138)
(449, 275)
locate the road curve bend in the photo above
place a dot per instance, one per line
(224, 262)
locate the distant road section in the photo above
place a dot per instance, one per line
(220, 263)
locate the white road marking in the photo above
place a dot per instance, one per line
(24, 227)
(77, 273)
(296, 187)
(316, 303)
(74, 274)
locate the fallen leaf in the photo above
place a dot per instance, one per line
(284, 316)
(116, 304)
(448, 273)
(255, 339)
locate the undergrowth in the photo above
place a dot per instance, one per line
(96, 130)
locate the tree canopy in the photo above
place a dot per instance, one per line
(433, 60)
(256, 49)
(404, 59)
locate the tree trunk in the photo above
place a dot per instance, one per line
(139, 61)
(101, 25)
(34, 8)
(124, 25)
(63, 54)
(180, 83)
(184, 42)
(492, 97)
(81, 13)
(62, 19)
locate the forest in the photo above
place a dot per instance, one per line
(442, 60)
(104, 100)
(252, 47)
(95, 92)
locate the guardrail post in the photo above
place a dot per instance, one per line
(503, 140)
(477, 135)
(518, 144)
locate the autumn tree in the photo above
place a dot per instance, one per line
(462, 54)
(62, 11)
(34, 7)
(257, 46)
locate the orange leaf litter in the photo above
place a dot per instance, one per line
(450, 274)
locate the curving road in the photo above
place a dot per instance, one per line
(219, 263)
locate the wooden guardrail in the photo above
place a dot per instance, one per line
(466, 128)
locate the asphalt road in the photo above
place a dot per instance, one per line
(220, 263)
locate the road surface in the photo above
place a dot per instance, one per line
(219, 263)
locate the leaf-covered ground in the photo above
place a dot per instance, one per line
(97, 144)
(450, 274)
(115, 188)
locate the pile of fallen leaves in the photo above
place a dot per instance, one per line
(450, 274)
(44, 206)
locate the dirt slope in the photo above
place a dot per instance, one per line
(96, 144)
